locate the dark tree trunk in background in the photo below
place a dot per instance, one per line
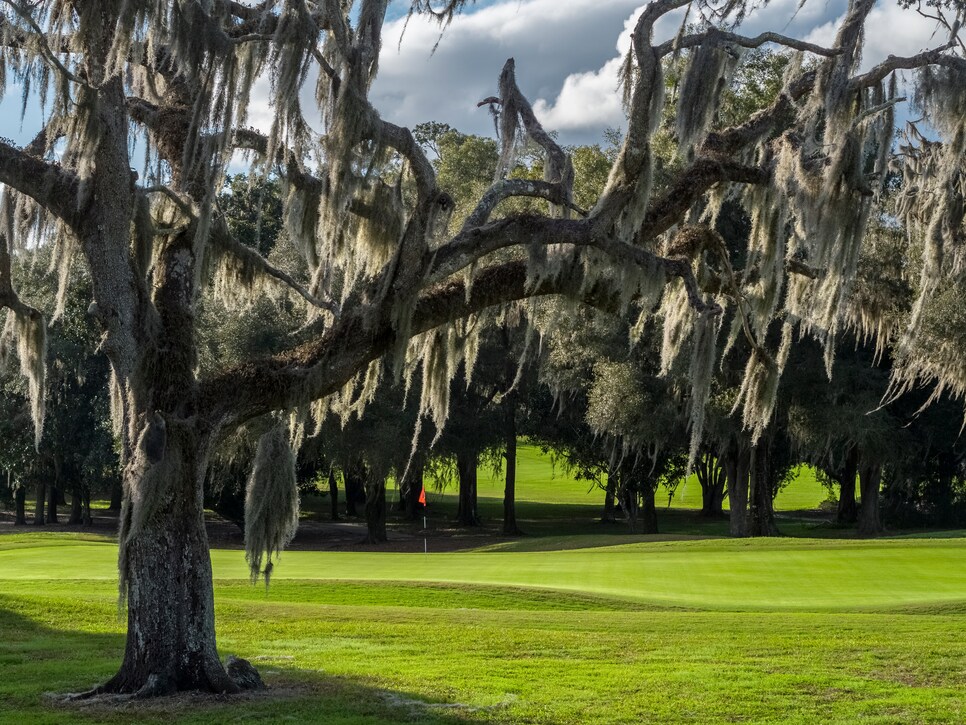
(762, 494)
(41, 489)
(76, 508)
(510, 527)
(627, 497)
(355, 487)
(466, 465)
(117, 496)
(870, 475)
(847, 511)
(334, 495)
(720, 491)
(711, 477)
(648, 514)
(52, 499)
(88, 520)
(376, 510)
(610, 498)
(739, 464)
(412, 488)
(20, 505)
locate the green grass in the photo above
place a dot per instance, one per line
(607, 629)
(550, 502)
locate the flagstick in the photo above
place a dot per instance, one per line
(425, 540)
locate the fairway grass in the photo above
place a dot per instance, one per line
(776, 631)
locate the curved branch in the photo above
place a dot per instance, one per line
(48, 184)
(8, 296)
(321, 367)
(894, 63)
(225, 243)
(507, 188)
(696, 39)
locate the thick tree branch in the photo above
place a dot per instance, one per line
(689, 186)
(696, 39)
(49, 185)
(894, 63)
(508, 188)
(8, 296)
(323, 366)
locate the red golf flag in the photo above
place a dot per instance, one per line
(422, 496)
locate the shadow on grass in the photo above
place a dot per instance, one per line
(41, 662)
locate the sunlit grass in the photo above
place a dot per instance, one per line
(659, 632)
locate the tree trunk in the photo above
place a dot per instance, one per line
(510, 527)
(76, 508)
(848, 510)
(376, 510)
(708, 473)
(20, 501)
(466, 465)
(610, 498)
(88, 520)
(738, 469)
(52, 498)
(165, 570)
(870, 476)
(762, 507)
(333, 495)
(117, 496)
(411, 491)
(41, 489)
(719, 491)
(354, 477)
(648, 515)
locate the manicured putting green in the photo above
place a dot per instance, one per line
(801, 574)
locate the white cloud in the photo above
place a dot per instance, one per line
(569, 54)
(890, 30)
(550, 40)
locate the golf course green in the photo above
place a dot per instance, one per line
(540, 630)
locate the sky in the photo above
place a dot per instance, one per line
(567, 52)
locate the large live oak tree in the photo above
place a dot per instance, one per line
(364, 206)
